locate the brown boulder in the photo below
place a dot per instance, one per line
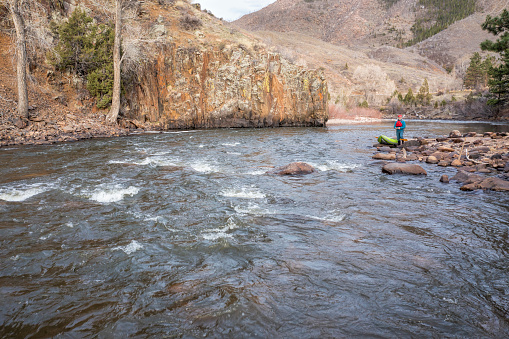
(432, 160)
(456, 163)
(400, 168)
(444, 179)
(383, 156)
(489, 184)
(295, 168)
(455, 134)
(445, 149)
(466, 178)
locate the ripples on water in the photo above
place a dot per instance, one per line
(184, 235)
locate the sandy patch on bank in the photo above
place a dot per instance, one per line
(355, 121)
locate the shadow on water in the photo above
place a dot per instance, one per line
(183, 234)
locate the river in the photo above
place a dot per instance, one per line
(184, 235)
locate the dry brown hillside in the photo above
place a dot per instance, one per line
(342, 35)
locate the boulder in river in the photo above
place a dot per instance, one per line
(295, 168)
(384, 156)
(400, 168)
(490, 184)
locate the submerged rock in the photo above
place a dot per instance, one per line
(402, 168)
(295, 168)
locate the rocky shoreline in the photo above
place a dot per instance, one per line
(482, 160)
(39, 131)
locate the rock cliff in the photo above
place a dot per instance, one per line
(228, 87)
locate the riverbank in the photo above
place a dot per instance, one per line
(482, 160)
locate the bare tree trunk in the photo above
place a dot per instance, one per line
(115, 104)
(21, 53)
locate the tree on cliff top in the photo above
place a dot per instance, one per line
(499, 82)
(21, 55)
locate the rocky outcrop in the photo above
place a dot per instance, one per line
(295, 168)
(233, 87)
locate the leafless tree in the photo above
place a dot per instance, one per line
(21, 55)
(115, 104)
(374, 81)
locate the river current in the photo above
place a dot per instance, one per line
(184, 235)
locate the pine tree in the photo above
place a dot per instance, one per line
(499, 82)
(409, 97)
(424, 97)
(474, 74)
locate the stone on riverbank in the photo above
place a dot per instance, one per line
(401, 168)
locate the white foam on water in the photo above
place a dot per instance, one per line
(154, 160)
(217, 233)
(113, 194)
(333, 217)
(256, 172)
(244, 193)
(334, 165)
(21, 194)
(252, 209)
(231, 144)
(129, 249)
(204, 167)
(180, 132)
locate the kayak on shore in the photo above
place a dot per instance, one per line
(386, 140)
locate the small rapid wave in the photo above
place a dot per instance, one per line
(113, 194)
(222, 232)
(130, 248)
(334, 165)
(244, 193)
(21, 194)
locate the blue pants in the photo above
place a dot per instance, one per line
(399, 134)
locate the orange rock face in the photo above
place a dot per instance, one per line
(185, 88)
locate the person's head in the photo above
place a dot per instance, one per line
(400, 117)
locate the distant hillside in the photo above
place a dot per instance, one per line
(341, 35)
(378, 23)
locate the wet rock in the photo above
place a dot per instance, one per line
(385, 149)
(295, 168)
(466, 178)
(432, 160)
(444, 163)
(444, 179)
(456, 163)
(445, 149)
(491, 184)
(481, 149)
(400, 168)
(496, 156)
(383, 156)
(455, 134)
(411, 143)
(458, 140)
(441, 139)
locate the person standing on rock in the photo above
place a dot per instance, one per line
(399, 125)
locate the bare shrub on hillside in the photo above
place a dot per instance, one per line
(374, 82)
(190, 22)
